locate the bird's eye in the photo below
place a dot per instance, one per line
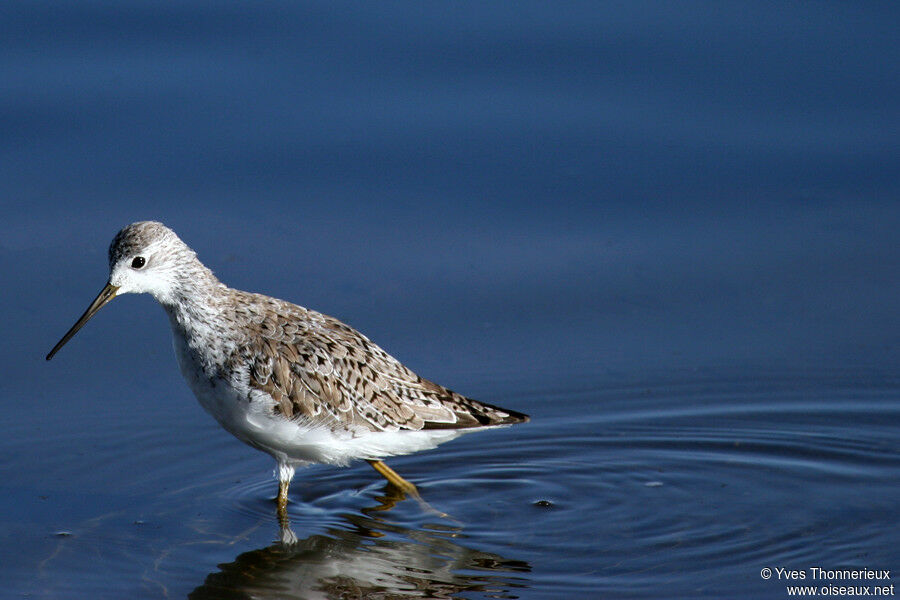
(138, 262)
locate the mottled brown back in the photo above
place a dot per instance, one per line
(319, 368)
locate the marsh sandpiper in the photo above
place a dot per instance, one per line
(302, 386)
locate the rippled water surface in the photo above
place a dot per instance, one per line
(666, 232)
(688, 485)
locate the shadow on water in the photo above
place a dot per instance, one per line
(366, 557)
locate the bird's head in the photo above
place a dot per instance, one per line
(145, 257)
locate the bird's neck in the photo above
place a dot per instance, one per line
(199, 316)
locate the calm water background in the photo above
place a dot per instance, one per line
(667, 231)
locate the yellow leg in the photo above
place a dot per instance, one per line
(393, 478)
(283, 498)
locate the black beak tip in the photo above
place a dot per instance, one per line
(105, 295)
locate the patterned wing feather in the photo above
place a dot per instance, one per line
(316, 367)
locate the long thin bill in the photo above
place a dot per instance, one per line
(105, 295)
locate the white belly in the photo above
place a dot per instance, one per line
(248, 415)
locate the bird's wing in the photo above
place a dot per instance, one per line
(318, 368)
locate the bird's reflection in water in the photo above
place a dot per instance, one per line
(369, 559)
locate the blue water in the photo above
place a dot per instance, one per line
(668, 232)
